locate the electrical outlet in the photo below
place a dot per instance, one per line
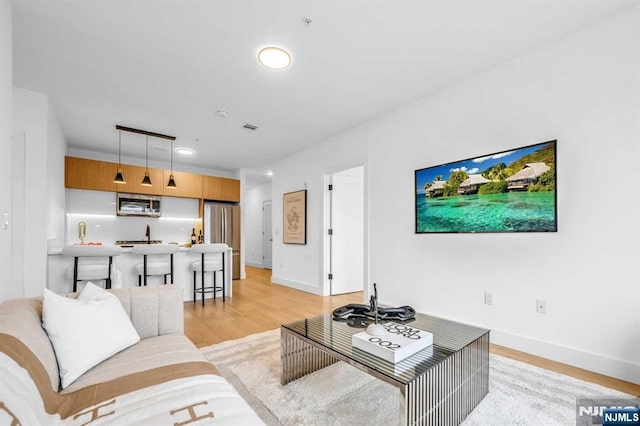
(488, 298)
(541, 306)
(98, 228)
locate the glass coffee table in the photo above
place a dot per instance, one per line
(439, 385)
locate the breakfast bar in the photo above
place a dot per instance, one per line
(60, 272)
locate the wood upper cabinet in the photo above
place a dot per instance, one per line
(188, 185)
(220, 189)
(230, 190)
(211, 188)
(80, 173)
(134, 175)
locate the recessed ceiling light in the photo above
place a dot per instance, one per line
(275, 58)
(185, 151)
(269, 173)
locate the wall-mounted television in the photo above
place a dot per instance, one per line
(508, 191)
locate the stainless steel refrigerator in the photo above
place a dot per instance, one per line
(222, 225)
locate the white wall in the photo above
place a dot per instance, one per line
(583, 90)
(38, 188)
(6, 82)
(253, 202)
(56, 149)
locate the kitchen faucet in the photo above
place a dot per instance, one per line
(148, 234)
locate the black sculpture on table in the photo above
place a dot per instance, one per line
(360, 315)
(375, 329)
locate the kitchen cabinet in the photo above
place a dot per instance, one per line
(230, 190)
(189, 185)
(134, 175)
(80, 173)
(212, 188)
(220, 189)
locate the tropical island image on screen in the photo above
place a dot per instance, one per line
(509, 191)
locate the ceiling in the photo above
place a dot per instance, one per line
(168, 65)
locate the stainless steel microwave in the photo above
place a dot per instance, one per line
(138, 205)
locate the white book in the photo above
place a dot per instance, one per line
(398, 342)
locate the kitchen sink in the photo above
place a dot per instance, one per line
(131, 243)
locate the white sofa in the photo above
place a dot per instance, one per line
(163, 379)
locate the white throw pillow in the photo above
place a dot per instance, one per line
(85, 331)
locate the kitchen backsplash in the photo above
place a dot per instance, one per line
(97, 210)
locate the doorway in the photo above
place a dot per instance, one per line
(267, 235)
(346, 231)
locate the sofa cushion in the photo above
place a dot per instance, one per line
(86, 331)
(161, 351)
(153, 310)
(21, 318)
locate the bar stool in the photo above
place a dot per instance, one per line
(154, 267)
(215, 262)
(89, 271)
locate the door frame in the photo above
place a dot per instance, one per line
(264, 236)
(326, 221)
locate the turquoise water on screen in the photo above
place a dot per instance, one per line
(511, 211)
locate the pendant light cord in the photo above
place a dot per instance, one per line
(146, 161)
(119, 147)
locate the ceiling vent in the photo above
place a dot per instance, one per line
(250, 126)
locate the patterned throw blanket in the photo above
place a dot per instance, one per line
(179, 394)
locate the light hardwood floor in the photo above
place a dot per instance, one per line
(258, 305)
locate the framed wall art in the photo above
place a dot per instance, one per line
(294, 212)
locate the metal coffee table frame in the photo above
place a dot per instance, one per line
(439, 385)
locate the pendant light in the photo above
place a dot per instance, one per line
(147, 180)
(172, 182)
(119, 176)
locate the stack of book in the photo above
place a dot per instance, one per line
(398, 342)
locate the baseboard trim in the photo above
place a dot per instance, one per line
(619, 369)
(297, 285)
(252, 263)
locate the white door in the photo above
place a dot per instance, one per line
(347, 231)
(267, 235)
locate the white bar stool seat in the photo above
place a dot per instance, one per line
(154, 267)
(91, 271)
(214, 262)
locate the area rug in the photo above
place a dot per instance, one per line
(519, 393)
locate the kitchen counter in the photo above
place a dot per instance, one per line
(129, 249)
(60, 271)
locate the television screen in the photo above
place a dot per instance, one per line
(509, 191)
